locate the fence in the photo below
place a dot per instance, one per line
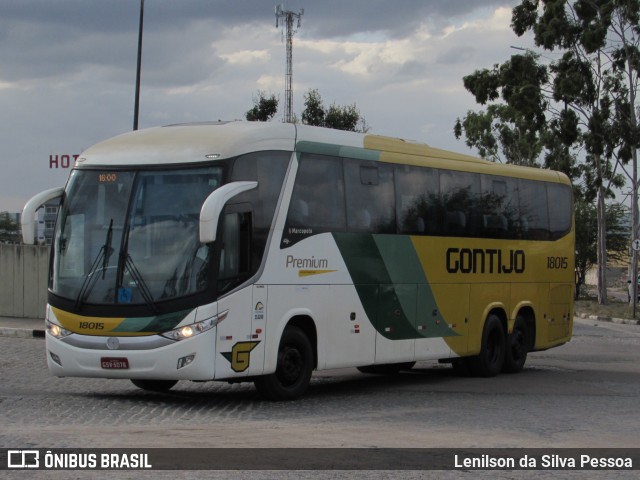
(23, 280)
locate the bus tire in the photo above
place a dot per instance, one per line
(517, 347)
(155, 385)
(489, 362)
(293, 370)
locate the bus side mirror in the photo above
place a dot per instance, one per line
(213, 205)
(28, 219)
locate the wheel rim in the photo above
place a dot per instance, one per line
(290, 366)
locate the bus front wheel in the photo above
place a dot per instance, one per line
(293, 370)
(490, 360)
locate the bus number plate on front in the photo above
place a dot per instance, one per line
(114, 363)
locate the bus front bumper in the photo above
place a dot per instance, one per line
(146, 358)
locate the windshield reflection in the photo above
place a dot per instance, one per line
(132, 238)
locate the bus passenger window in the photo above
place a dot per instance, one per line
(370, 197)
(534, 211)
(498, 206)
(460, 194)
(317, 201)
(418, 200)
(559, 218)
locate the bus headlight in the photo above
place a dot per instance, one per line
(188, 331)
(56, 330)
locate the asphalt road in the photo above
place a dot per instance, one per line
(582, 395)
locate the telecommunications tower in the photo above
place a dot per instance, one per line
(288, 33)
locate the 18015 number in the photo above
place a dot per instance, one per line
(556, 263)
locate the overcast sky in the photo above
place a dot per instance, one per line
(67, 69)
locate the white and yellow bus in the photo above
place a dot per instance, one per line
(263, 251)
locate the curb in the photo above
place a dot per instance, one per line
(622, 321)
(21, 333)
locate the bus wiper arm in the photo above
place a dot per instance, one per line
(91, 278)
(107, 249)
(142, 285)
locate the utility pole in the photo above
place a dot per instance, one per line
(136, 106)
(288, 33)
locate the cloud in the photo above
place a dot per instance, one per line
(247, 57)
(67, 68)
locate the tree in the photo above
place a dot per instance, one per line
(586, 221)
(512, 128)
(588, 79)
(264, 108)
(586, 98)
(339, 117)
(8, 228)
(313, 113)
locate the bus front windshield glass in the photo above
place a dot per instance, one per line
(132, 237)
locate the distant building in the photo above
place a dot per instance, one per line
(45, 222)
(50, 210)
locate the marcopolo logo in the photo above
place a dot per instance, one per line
(23, 459)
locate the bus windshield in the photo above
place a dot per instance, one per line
(127, 237)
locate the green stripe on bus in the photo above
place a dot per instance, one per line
(391, 285)
(158, 323)
(405, 270)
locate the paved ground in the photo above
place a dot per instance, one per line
(583, 394)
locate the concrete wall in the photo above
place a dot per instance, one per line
(23, 280)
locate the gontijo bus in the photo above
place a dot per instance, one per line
(262, 251)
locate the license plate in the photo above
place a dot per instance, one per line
(114, 363)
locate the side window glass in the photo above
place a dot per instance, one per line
(534, 212)
(269, 169)
(498, 207)
(235, 250)
(418, 205)
(317, 201)
(370, 197)
(559, 218)
(459, 193)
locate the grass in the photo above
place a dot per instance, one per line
(614, 309)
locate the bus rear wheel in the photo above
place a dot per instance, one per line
(294, 368)
(155, 385)
(517, 347)
(489, 362)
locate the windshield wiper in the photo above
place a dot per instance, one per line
(107, 249)
(140, 283)
(127, 262)
(90, 280)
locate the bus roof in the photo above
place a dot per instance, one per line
(202, 142)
